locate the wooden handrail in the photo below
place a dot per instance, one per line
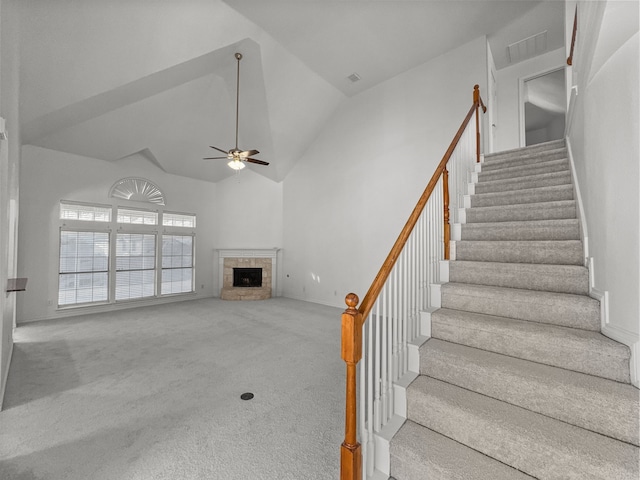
(385, 270)
(353, 318)
(573, 37)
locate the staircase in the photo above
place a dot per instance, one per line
(516, 382)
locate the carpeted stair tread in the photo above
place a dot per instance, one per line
(522, 230)
(562, 252)
(560, 210)
(529, 181)
(535, 444)
(554, 193)
(549, 166)
(562, 309)
(516, 367)
(570, 348)
(597, 404)
(525, 151)
(497, 162)
(417, 452)
(552, 278)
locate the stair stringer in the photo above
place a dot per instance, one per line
(382, 440)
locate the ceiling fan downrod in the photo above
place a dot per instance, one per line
(237, 158)
(238, 57)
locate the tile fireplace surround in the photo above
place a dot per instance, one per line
(228, 259)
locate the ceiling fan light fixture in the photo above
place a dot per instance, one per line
(236, 156)
(236, 164)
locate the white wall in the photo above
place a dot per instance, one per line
(48, 176)
(508, 91)
(249, 215)
(249, 209)
(9, 179)
(604, 138)
(349, 196)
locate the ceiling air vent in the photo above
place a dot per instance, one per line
(527, 48)
(354, 77)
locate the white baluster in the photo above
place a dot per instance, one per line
(370, 398)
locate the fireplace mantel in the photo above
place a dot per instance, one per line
(247, 257)
(247, 252)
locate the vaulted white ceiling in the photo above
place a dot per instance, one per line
(131, 79)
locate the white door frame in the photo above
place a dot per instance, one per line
(522, 80)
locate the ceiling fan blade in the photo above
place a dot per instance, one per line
(255, 160)
(219, 149)
(249, 153)
(216, 158)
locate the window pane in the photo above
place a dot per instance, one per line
(89, 213)
(177, 264)
(137, 217)
(178, 220)
(84, 263)
(135, 265)
(83, 288)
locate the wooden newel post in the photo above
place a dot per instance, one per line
(350, 454)
(476, 102)
(445, 197)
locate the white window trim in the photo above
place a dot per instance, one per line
(113, 228)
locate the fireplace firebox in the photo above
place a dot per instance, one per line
(247, 277)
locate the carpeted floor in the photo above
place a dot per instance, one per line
(154, 393)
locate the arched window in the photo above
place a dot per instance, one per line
(138, 189)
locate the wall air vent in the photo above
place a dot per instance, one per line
(354, 77)
(527, 48)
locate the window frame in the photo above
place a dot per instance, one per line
(154, 269)
(193, 263)
(113, 228)
(66, 228)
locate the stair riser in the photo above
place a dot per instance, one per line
(525, 151)
(533, 195)
(549, 278)
(516, 172)
(513, 443)
(496, 232)
(598, 405)
(521, 213)
(574, 311)
(520, 183)
(491, 164)
(542, 346)
(488, 251)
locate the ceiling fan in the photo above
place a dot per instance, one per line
(237, 157)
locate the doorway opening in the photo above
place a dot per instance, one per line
(543, 106)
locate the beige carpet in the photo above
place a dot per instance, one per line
(154, 393)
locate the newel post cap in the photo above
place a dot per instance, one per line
(352, 301)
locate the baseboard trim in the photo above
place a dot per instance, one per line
(579, 205)
(603, 298)
(619, 334)
(435, 293)
(5, 375)
(382, 439)
(631, 340)
(425, 323)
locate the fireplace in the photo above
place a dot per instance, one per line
(247, 277)
(247, 274)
